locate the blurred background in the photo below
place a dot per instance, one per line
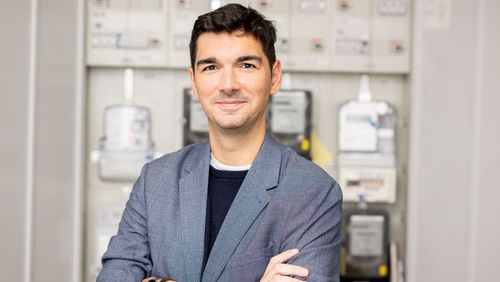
(396, 99)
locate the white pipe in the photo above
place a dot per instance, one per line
(476, 139)
(30, 150)
(365, 94)
(128, 85)
(414, 181)
(79, 145)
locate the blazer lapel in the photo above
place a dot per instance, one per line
(250, 201)
(193, 188)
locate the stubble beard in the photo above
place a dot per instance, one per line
(230, 124)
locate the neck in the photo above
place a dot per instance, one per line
(236, 147)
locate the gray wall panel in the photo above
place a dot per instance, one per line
(487, 253)
(52, 33)
(55, 151)
(454, 145)
(14, 73)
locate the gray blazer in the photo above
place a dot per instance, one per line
(284, 202)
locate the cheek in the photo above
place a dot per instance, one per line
(206, 87)
(209, 79)
(260, 85)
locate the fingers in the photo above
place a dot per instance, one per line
(284, 279)
(284, 256)
(156, 279)
(289, 270)
(278, 270)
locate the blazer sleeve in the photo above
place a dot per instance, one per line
(315, 231)
(128, 256)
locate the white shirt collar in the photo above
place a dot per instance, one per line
(220, 166)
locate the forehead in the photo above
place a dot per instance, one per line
(237, 43)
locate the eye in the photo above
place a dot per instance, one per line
(209, 68)
(248, 66)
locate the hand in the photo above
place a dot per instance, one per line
(156, 279)
(279, 270)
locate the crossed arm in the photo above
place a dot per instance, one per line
(317, 236)
(277, 269)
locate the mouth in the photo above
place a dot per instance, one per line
(230, 105)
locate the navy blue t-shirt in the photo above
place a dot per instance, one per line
(223, 185)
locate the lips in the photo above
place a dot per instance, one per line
(230, 105)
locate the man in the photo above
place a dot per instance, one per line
(239, 207)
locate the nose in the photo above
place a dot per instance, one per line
(229, 83)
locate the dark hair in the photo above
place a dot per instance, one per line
(231, 18)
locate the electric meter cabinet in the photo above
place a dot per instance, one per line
(367, 148)
(126, 144)
(289, 120)
(365, 254)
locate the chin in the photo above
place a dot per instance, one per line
(231, 126)
(230, 123)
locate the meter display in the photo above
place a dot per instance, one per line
(366, 127)
(366, 235)
(126, 128)
(197, 119)
(289, 112)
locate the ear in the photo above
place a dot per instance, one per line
(193, 84)
(276, 77)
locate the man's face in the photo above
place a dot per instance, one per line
(233, 81)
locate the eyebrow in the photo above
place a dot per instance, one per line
(249, 58)
(210, 60)
(213, 60)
